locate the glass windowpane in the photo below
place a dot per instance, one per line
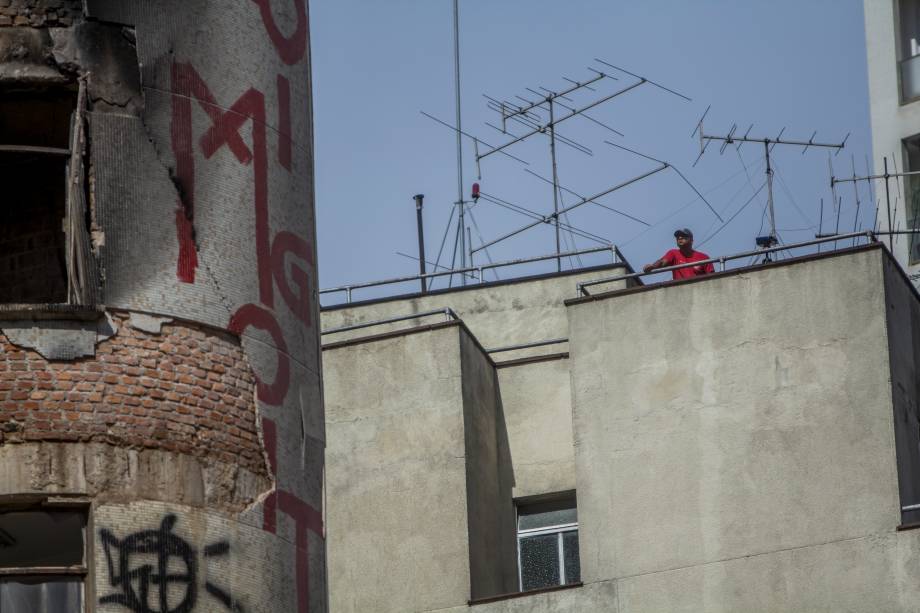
(41, 595)
(570, 557)
(539, 561)
(41, 538)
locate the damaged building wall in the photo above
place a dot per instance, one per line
(38, 13)
(197, 173)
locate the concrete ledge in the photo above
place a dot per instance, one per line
(545, 590)
(110, 473)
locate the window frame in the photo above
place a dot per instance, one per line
(910, 213)
(82, 277)
(539, 504)
(83, 571)
(900, 57)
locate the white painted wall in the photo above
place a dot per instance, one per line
(891, 121)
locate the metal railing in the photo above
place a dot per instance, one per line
(448, 313)
(477, 270)
(721, 260)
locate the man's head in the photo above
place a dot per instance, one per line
(684, 237)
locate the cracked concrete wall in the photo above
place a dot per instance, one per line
(200, 182)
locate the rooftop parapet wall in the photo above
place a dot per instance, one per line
(750, 415)
(500, 314)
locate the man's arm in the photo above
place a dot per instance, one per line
(659, 263)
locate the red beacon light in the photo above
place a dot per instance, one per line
(475, 192)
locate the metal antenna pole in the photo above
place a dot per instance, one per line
(459, 139)
(766, 144)
(856, 195)
(552, 152)
(888, 203)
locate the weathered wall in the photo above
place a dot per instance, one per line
(537, 402)
(499, 314)
(211, 560)
(903, 332)
(199, 175)
(873, 573)
(730, 430)
(188, 390)
(489, 477)
(396, 473)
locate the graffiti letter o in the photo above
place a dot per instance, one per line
(291, 49)
(254, 315)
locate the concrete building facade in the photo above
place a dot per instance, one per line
(893, 58)
(746, 441)
(161, 421)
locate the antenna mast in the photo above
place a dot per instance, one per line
(460, 202)
(548, 102)
(768, 144)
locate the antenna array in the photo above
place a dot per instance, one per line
(768, 144)
(885, 176)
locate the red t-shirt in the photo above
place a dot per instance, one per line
(674, 257)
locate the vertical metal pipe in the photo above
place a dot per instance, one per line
(888, 204)
(421, 240)
(552, 153)
(459, 136)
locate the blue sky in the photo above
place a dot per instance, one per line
(798, 64)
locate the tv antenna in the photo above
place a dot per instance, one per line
(768, 144)
(886, 176)
(528, 114)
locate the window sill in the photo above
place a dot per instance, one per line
(512, 595)
(911, 526)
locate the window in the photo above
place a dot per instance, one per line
(44, 241)
(909, 48)
(548, 544)
(42, 560)
(912, 195)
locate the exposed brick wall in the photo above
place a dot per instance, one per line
(38, 13)
(187, 390)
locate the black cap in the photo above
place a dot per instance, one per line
(683, 232)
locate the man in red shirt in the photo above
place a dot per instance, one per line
(684, 254)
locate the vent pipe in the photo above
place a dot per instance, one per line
(421, 240)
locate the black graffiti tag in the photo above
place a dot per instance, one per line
(157, 571)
